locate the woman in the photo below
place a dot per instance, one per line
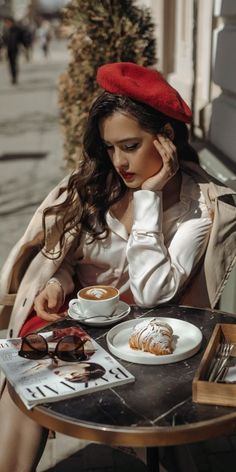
(138, 214)
(82, 372)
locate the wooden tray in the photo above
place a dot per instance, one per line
(204, 391)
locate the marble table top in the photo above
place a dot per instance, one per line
(157, 409)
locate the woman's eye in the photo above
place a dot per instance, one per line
(131, 147)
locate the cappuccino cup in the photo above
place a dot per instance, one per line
(97, 300)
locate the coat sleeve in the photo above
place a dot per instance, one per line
(66, 273)
(158, 272)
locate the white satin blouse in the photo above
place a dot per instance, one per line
(151, 265)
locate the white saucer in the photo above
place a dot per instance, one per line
(120, 313)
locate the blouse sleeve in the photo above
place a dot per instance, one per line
(156, 272)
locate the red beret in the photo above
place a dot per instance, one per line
(144, 85)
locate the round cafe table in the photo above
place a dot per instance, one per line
(155, 410)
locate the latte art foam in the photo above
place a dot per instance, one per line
(100, 292)
(97, 292)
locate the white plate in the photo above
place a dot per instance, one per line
(121, 312)
(188, 341)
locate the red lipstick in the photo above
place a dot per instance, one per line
(127, 176)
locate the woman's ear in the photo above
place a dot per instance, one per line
(168, 131)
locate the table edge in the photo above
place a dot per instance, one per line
(141, 436)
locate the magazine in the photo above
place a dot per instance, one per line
(51, 379)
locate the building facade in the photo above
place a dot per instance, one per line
(196, 40)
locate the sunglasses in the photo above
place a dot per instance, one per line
(69, 348)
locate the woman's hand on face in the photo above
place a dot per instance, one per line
(48, 302)
(167, 150)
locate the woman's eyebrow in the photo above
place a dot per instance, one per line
(120, 141)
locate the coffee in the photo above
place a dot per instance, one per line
(98, 292)
(97, 300)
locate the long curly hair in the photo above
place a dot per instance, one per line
(95, 186)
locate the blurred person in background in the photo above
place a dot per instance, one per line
(29, 29)
(13, 37)
(44, 37)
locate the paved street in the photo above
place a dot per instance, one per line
(29, 124)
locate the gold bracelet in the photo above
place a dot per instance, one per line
(53, 280)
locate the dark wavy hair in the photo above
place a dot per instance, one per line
(95, 186)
